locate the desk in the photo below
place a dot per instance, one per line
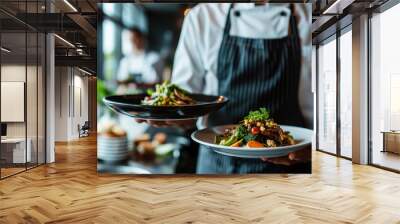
(17, 150)
(391, 141)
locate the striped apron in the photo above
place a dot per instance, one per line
(256, 73)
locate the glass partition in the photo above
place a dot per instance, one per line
(14, 146)
(41, 97)
(22, 90)
(32, 98)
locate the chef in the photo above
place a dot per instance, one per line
(257, 55)
(139, 65)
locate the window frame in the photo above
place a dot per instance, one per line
(333, 37)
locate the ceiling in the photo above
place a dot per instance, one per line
(329, 15)
(72, 20)
(76, 22)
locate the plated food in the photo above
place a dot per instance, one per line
(168, 94)
(257, 136)
(167, 102)
(257, 130)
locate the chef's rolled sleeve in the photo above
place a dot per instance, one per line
(188, 70)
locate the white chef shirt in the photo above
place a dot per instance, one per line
(142, 63)
(195, 63)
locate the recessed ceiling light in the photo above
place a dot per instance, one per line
(5, 50)
(70, 5)
(64, 40)
(84, 71)
(338, 6)
(328, 10)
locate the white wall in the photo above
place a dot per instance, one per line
(61, 103)
(71, 93)
(9, 73)
(81, 81)
(16, 73)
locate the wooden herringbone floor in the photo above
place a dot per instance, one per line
(70, 191)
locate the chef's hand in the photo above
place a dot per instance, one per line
(185, 124)
(299, 156)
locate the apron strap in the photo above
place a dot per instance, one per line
(293, 21)
(227, 27)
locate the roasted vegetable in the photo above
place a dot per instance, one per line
(254, 144)
(238, 143)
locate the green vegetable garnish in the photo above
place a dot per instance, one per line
(261, 114)
(249, 137)
(149, 92)
(239, 133)
(167, 94)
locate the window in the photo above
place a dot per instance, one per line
(327, 97)
(346, 94)
(385, 88)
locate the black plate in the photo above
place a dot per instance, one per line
(131, 105)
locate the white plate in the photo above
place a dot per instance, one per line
(112, 143)
(112, 147)
(111, 139)
(206, 137)
(111, 158)
(107, 142)
(112, 153)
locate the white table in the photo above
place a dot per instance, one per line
(19, 149)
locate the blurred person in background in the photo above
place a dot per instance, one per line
(139, 65)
